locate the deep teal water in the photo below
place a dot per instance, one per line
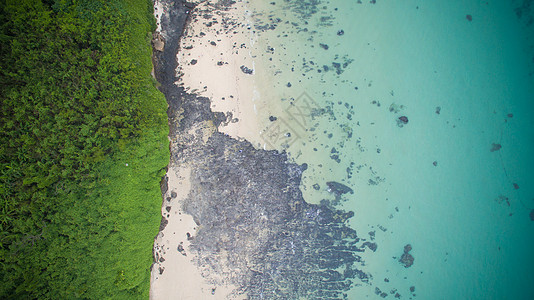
(457, 185)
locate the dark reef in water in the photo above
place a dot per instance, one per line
(407, 259)
(255, 230)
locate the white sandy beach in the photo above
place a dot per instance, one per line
(214, 47)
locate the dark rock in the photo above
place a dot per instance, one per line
(532, 215)
(194, 61)
(438, 110)
(495, 147)
(273, 118)
(338, 188)
(289, 84)
(213, 43)
(220, 63)
(163, 223)
(412, 289)
(324, 46)
(181, 249)
(316, 186)
(246, 70)
(435, 163)
(377, 291)
(340, 32)
(516, 186)
(407, 259)
(403, 119)
(173, 194)
(336, 158)
(371, 246)
(469, 18)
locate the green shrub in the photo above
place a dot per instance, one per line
(83, 146)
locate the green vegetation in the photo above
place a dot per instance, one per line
(83, 146)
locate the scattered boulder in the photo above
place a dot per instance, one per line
(194, 61)
(469, 18)
(532, 215)
(181, 249)
(158, 42)
(246, 70)
(340, 32)
(273, 118)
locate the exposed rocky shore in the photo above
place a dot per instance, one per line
(254, 229)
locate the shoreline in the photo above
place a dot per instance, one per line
(214, 61)
(171, 264)
(235, 224)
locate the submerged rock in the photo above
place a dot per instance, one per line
(495, 147)
(407, 259)
(338, 188)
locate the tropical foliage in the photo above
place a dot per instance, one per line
(83, 146)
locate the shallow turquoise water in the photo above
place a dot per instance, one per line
(435, 182)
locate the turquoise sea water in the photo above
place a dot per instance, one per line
(456, 182)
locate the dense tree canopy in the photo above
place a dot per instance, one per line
(82, 149)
